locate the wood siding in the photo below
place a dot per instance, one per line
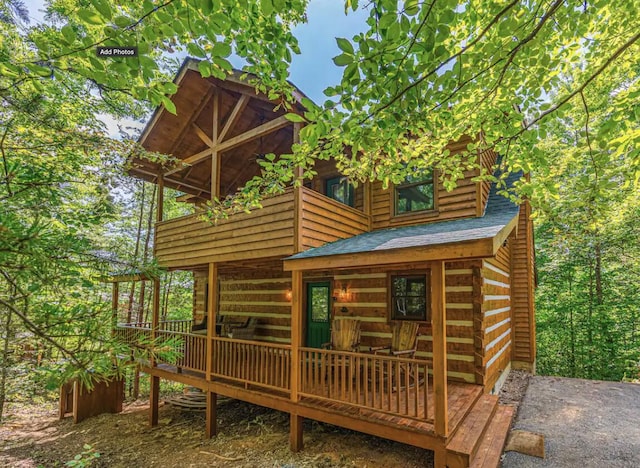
(265, 232)
(199, 287)
(487, 160)
(265, 298)
(326, 220)
(494, 338)
(523, 285)
(461, 202)
(367, 300)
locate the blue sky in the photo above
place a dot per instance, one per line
(313, 70)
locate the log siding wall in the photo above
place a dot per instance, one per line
(523, 289)
(367, 300)
(265, 232)
(495, 337)
(264, 298)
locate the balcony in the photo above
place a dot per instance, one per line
(280, 228)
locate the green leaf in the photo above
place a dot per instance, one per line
(196, 50)
(90, 16)
(291, 117)
(122, 21)
(345, 45)
(221, 49)
(69, 33)
(343, 59)
(205, 69)
(411, 7)
(103, 8)
(169, 105)
(267, 7)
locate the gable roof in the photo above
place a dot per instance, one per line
(421, 242)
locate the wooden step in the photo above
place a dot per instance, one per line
(462, 448)
(490, 450)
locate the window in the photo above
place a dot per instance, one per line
(409, 297)
(416, 193)
(340, 190)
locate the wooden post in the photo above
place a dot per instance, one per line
(295, 432)
(114, 306)
(296, 331)
(160, 202)
(297, 197)
(367, 202)
(215, 156)
(212, 308)
(211, 417)
(439, 325)
(154, 400)
(295, 426)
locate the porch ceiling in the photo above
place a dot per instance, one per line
(189, 132)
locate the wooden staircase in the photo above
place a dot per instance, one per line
(480, 438)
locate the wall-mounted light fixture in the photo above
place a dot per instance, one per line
(288, 294)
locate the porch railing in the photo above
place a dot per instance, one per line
(387, 384)
(261, 364)
(191, 350)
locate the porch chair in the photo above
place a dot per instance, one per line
(243, 332)
(345, 335)
(404, 343)
(404, 340)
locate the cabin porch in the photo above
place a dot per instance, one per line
(389, 397)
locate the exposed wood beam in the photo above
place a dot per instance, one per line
(190, 161)
(202, 135)
(203, 103)
(233, 117)
(175, 181)
(215, 154)
(254, 133)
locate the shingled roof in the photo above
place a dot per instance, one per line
(499, 213)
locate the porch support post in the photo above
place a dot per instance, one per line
(296, 331)
(439, 325)
(154, 392)
(215, 155)
(154, 400)
(295, 432)
(295, 426)
(115, 293)
(212, 309)
(297, 197)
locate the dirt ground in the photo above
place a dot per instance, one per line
(249, 436)
(586, 423)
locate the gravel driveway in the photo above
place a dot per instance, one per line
(586, 423)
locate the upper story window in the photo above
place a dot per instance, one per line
(416, 193)
(408, 296)
(340, 190)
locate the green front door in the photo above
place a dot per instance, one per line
(318, 313)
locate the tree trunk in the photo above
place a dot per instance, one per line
(135, 253)
(141, 301)
(5, 363)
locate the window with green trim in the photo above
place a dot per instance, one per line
(416, 193)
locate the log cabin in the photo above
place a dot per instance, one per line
(459, 263)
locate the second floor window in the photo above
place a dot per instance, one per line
(416, 193)
(340, 190)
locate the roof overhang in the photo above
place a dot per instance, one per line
(443, 251)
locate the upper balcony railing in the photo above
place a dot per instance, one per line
(280, 228)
